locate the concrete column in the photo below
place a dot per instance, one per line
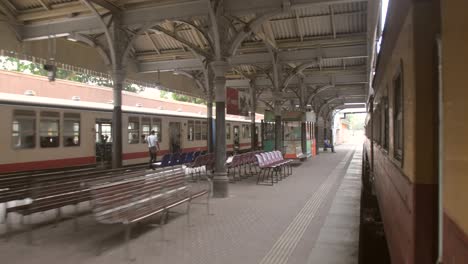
(253, 108)
(278, 126)
(209, 118)
(118, 79)
(324, 134)
(304, 137)
(220, 179)
(331, 140)
(316, 128)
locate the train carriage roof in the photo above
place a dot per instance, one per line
(38, 101)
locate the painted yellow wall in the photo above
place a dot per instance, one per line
(455, 85)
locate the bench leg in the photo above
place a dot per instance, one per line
(76, 224)
(7, 227)
(208, 203)
(161, 224)
(29, 236)
(58, 216)
(258, 177)
(128, 230)
(188, 212)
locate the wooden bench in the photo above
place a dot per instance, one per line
(133, 200)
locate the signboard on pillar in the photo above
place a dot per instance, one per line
(237, 102)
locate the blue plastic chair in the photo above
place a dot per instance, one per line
(174, 159)
(189, 157)
(182, 158)
(165, 160)
(195, 155)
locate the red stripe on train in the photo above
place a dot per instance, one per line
(47, 164)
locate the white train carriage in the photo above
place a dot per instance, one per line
(45, 133)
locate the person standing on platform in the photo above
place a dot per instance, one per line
(153, 146)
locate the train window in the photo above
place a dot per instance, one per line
(24, 129)
(190, 130)
(398, 117)
(71, 129)
(228, 131)
(377, 125)
(197, 130)
(49, 129)
(133, 129)
(145, 128)
(204, 130)
(385, 123)
(247, 131)
(157, 127)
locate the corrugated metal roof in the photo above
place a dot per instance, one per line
(289, 30)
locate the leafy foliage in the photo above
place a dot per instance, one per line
(23, 66)
(356, 121)
(181, 97)
(14, 64)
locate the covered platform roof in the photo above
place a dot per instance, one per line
(324, 49)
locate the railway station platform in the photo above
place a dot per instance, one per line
(310, 217)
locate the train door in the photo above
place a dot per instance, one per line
(236, 138)
(103, 140)
(174, 137)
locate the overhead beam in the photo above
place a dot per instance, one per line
(332, 21)
(8, 11)
(44, 5)
(170, 65)
(107, 5)
(300, 56)
(336, 79)
(153, 42)
(153, 14)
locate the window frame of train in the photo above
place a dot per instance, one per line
(71, 129)
(145, 129)
(47, 129)
(204, 130)
(247, 131)
(385, 123)
(156, 125)
(198, 130)
(398, 106)
(21, 116)
(228, 130)
(190, 130)
(133, 131)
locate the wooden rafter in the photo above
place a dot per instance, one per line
(332, 21)
(299, 27)
(153, 42)
(43, 4)
(9, 13)
(184, 42)
(107, 5)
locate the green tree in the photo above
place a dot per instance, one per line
(14, 64)
(356, 120)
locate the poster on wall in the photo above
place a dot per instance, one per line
(237, 102)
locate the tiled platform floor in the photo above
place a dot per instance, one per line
(300, 220)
